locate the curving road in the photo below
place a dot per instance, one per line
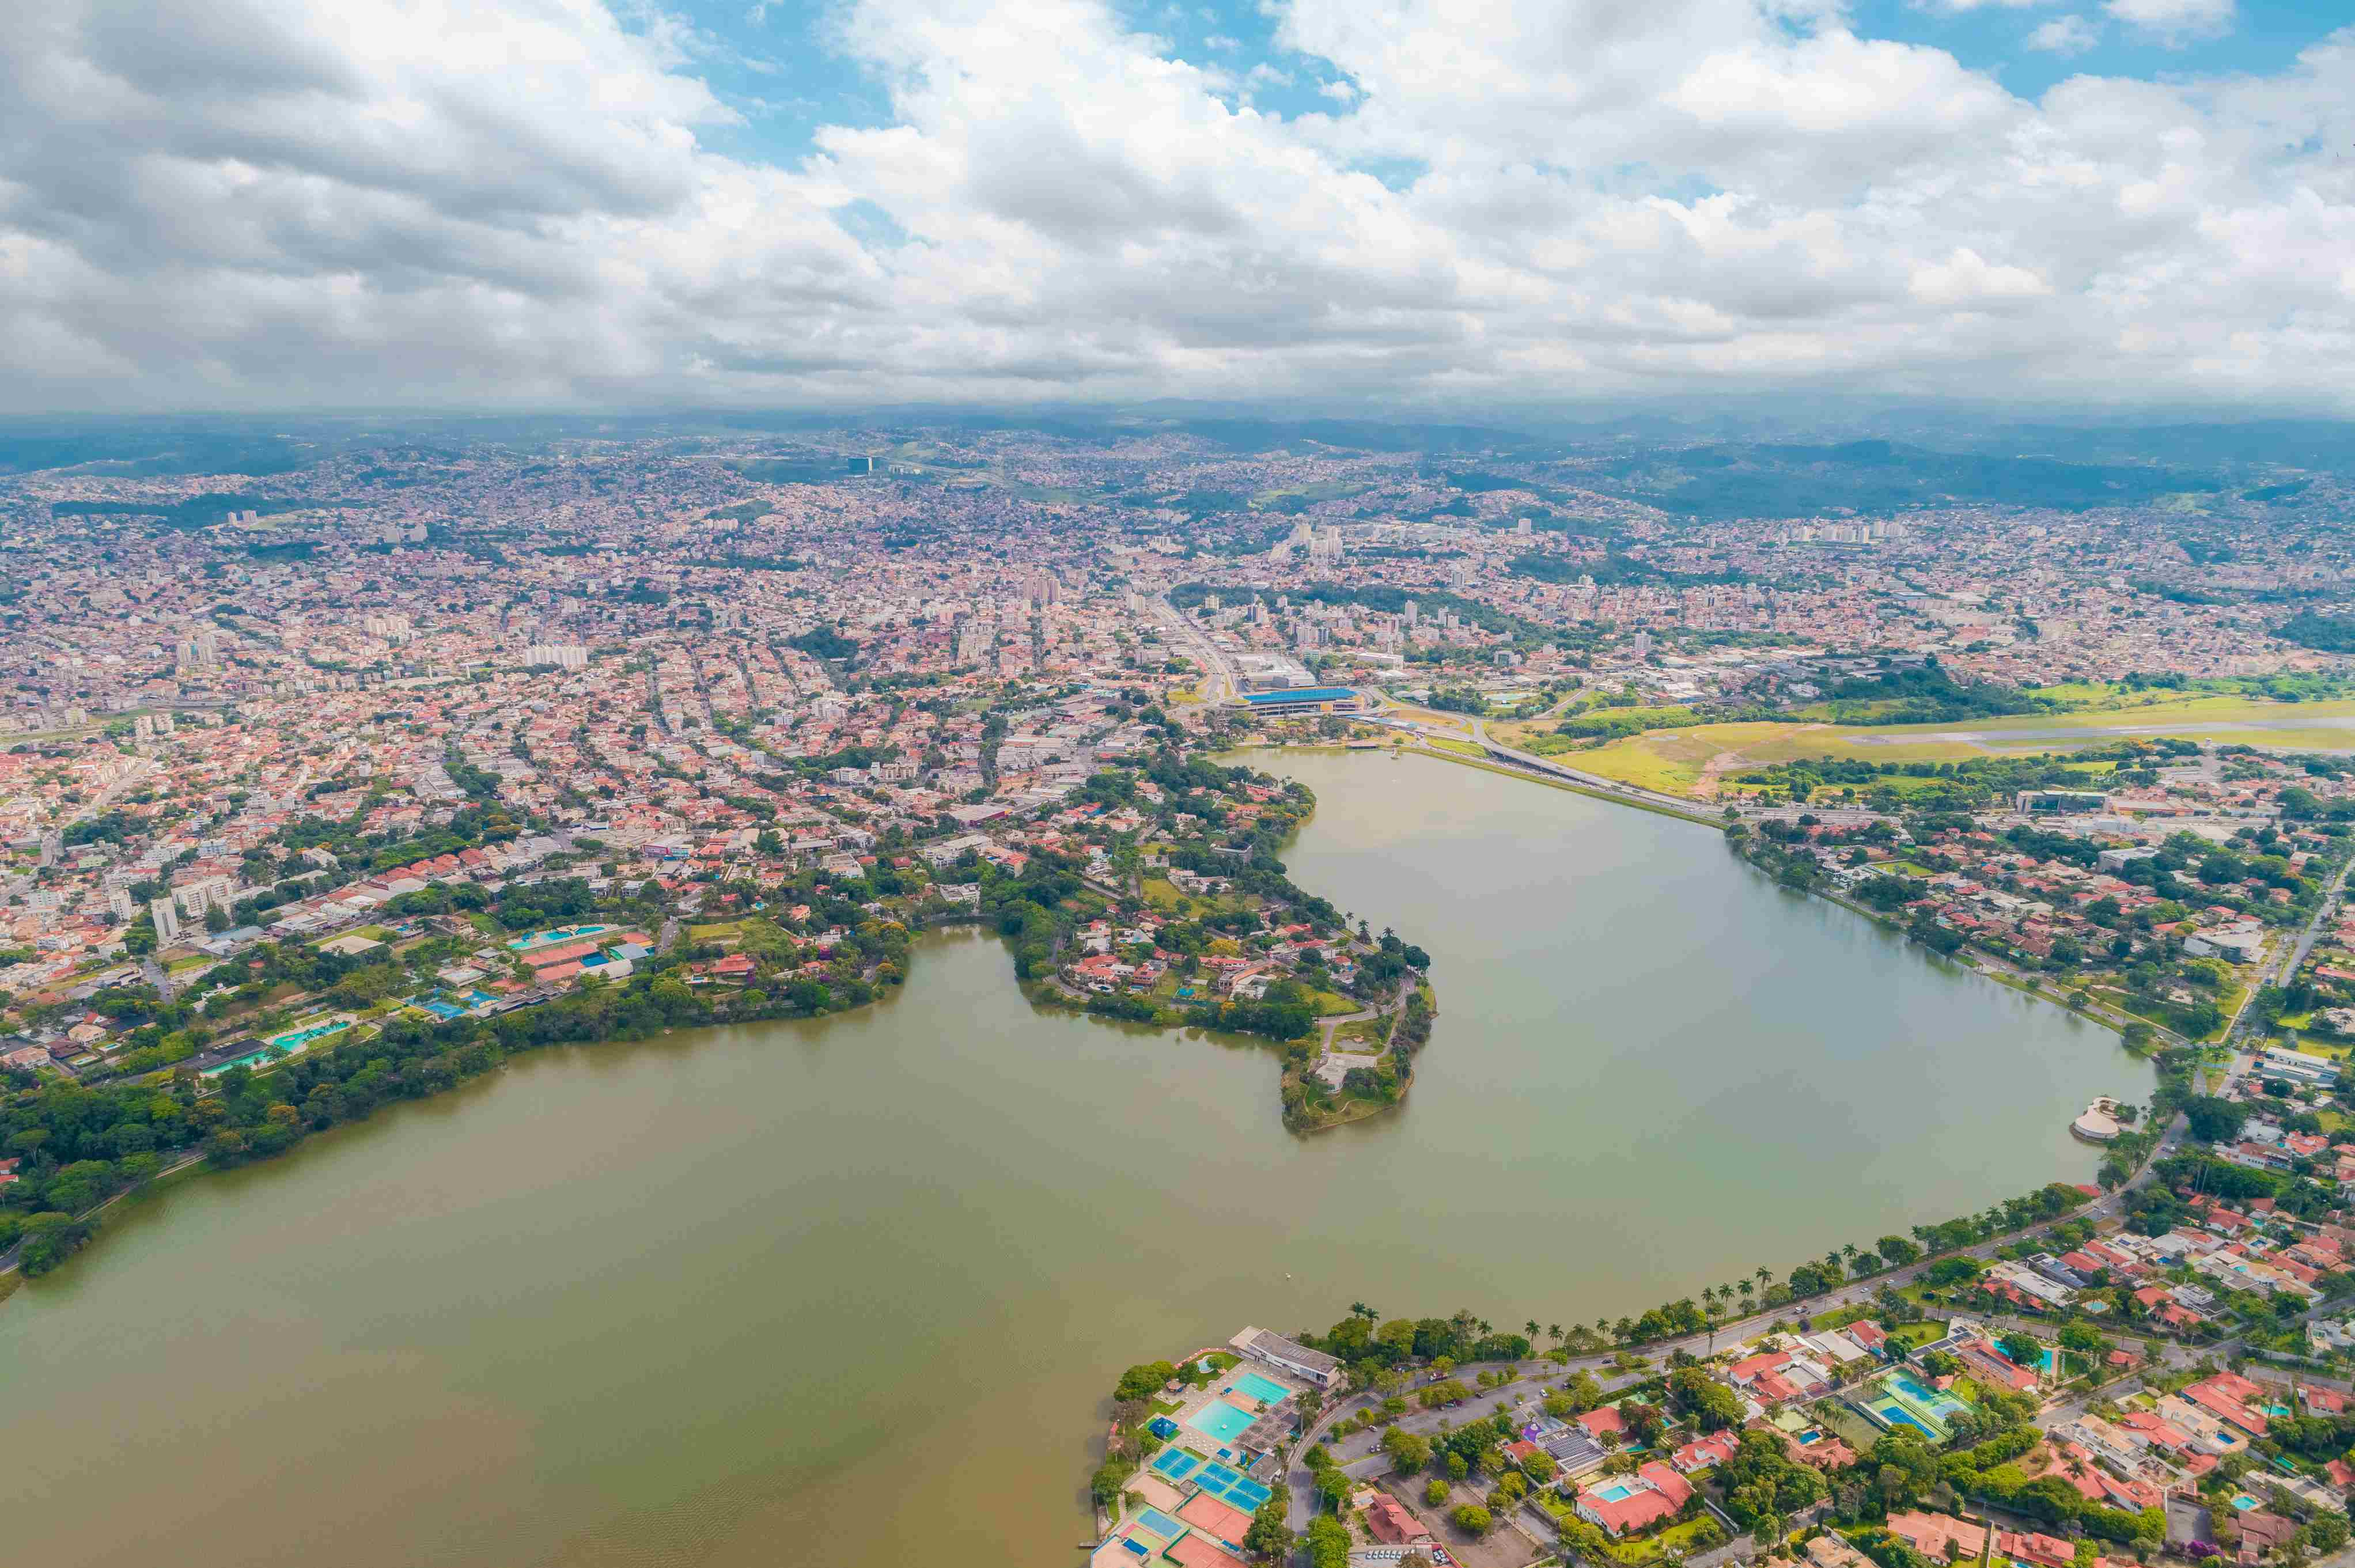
(1302, 1488)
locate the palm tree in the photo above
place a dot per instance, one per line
(1852, 1252)
(1486, 1328)
(1531, 1326)
(1764, 1276)
(1553, 1332)
(1748, 1290)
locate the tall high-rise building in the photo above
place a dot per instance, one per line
(166, 919)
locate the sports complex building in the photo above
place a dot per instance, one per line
(1300, 701)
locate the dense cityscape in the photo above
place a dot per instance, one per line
(342, 782)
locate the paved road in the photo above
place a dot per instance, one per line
(2109, 1205)
(1593, 783)
(1220, 676)
(2305, 940)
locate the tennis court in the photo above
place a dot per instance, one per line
(1176, 1464)
(1229, 1487)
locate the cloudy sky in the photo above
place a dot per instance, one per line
(213, 204)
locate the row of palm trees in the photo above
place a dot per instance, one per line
(1717, 1301)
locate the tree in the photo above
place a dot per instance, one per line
(1712, 1404)
(1409, 1451)
(1143, 1380)
(1435, 1493)
(2021, 1348)
(2214, 1120)
(1897, 1250)
(1329, 1542)
(1269, 1539)
(1474, 1520)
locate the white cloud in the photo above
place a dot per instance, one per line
(2065, 36)
(467, 201)
(2174, 23)
(1967, 281)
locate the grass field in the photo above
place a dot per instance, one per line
(1460, 748)
(1676, 761)
(1459, 723)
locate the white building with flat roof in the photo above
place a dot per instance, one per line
(1277, 1351)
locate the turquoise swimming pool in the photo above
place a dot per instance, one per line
(251, 1059)
(1267, 1391)
(1219, 1420)
(296, 1039)
(1615, 1491)
(560, 933)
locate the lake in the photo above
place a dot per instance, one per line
(857, 1288)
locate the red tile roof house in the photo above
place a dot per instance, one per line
(1940, 1536)
(2219, 1401)
(1606, 1422)
(1699, 1454)
(1993, 1366)
(1744, 1373)
(1659, 1492)
(2262, 1532)
(1393, 1525)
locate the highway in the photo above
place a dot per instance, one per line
(1592, 784)
(1219, 683)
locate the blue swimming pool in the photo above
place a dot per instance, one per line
(1219, 1420)
(1267, 1391)
(1614, 1491)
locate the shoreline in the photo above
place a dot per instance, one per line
(1044, 995)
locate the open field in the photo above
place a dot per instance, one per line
(1676, 760)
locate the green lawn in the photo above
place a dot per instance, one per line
(1645, 1549)
(1328, 1003)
